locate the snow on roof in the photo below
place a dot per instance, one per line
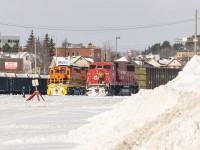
(10, 74)
(44, 76)
(33, 75)
(73, 60)
(149, 56)
(16, 55)
(90, 59)
(2, 74)
(137, 62)
(22, 75)
(59, 58)
(164, 61)
(122, 59)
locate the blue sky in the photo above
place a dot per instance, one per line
(83, 15)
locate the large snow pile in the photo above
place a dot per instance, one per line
(165, 118)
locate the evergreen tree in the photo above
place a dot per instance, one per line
(30, 46)
(166, 44)
(16, 47)
(178, 47)
(6, 48)
(46, 54)
(52, 47)
(155, 49)
(39, 55)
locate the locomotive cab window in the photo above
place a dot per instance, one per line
(130, 68)
(56, 70)
(107, 67)
(92, 66)
(63, 70)
(99, 66)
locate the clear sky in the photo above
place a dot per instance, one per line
(138, 23)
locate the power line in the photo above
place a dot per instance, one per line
(80, 29)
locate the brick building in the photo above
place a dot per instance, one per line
(89, 52)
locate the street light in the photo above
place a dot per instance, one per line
(116, 42)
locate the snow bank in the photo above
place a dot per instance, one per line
(188, 79)
(133, 122)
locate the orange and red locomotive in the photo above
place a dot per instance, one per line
(67, 80)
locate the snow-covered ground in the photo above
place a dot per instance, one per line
(44, 125)
(165, 118)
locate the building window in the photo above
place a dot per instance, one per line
(68, 54)
(77, 54)
(73, 54)
(130, 68)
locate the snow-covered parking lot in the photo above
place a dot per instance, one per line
(45, 124)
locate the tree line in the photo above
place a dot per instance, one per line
(165, 49)
(44, 51)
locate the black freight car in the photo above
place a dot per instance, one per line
(149, 78)
(14, 83)
(4, 88)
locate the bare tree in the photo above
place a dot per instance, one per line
(65, 43)
(106, 51)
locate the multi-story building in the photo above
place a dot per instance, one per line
(186, 55)
(10, 40)
(88, 52)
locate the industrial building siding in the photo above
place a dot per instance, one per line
(19, 68)
(149, 78)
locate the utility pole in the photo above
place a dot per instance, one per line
(35, 54)
(195, 34)
(56, 51)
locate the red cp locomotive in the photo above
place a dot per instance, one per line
(107, 78)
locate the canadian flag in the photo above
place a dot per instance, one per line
(129, 52)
